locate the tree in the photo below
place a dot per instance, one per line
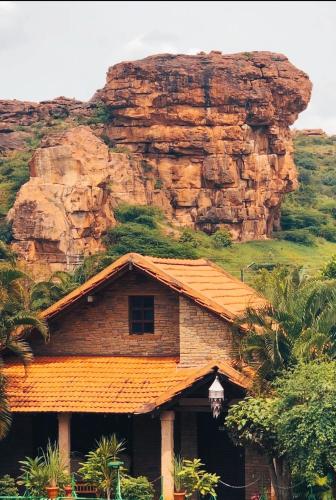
(45, 293)
(253, 423)
(306, 420)
(294, 427)
(298, 323)
(16, 319)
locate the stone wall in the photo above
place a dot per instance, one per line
(102, 328)
(203, 336)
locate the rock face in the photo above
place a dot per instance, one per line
(214, 129)
(62, 212)
(204, 137)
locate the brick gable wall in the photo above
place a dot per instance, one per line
(102, 328)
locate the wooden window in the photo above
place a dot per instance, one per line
(141, 314)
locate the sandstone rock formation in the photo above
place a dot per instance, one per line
(75, 182)
(215, 129)
(204, 137)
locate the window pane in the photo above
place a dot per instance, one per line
(148, 301)
(136, 314)
(137, 328)
(148, 314)
(137, 301)
(148, 328)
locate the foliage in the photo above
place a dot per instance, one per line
(14, 172)
(222, 238)
(47, 469)
(16, 318)
(131, 213)
(177, 468)
(95, 469)
(188, 237)
(329, 270)
(6, 234)
(196, 479)
(312, 206)
(298, 323)
(300, 236)
(135, 236)
(8, 486)
(44, 293)
(138, 488)
(251, 423)
(306, 422)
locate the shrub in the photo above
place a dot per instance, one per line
(328, 232)
(306, 160)
(188, 238)
(8, 487)
(130, 213)
(299, 218)
(42, 471)
(222, 238)
(133, 237)
(138, 488)
(302, 236)
(6, 234)
(329, 270)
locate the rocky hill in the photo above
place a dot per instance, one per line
(204, 137)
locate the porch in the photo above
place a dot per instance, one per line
(163, 410)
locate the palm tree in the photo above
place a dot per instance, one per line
(46, 292)
(16, 319)
(298, 323)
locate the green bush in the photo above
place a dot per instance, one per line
(294, 217)
(8, 487)
(138, 488)
(6, 234)
(188, 238)
(133, 237)
(222, 238)
(306, 160)
(329, 271)
(327, 232)
(302, 236)
(130, 213)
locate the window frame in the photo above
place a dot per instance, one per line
(143, 309)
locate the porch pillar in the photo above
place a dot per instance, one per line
(64, 437)
(167, 454)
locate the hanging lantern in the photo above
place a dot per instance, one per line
(216, 397)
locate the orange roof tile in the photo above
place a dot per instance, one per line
(104, 384)
(200, 280)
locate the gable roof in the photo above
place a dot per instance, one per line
(200, 280)
(99, 384)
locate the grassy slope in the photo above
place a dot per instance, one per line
(270, 251)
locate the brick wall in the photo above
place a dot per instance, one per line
(203, 336)
(256, 470)
(102, 328)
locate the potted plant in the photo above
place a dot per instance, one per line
(56, 470)
(179, 489)
(196, 479)
(44, 474)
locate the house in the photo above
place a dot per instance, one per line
(134, 351)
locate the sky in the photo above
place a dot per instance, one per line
(49, 49)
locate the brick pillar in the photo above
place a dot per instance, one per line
(167, 454)
(64, 437)
(189, 435)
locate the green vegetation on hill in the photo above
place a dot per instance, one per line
(311, 210)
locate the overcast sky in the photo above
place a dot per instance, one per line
(48, 49)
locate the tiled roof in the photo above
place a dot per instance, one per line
(200, 280)
(104, 384)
